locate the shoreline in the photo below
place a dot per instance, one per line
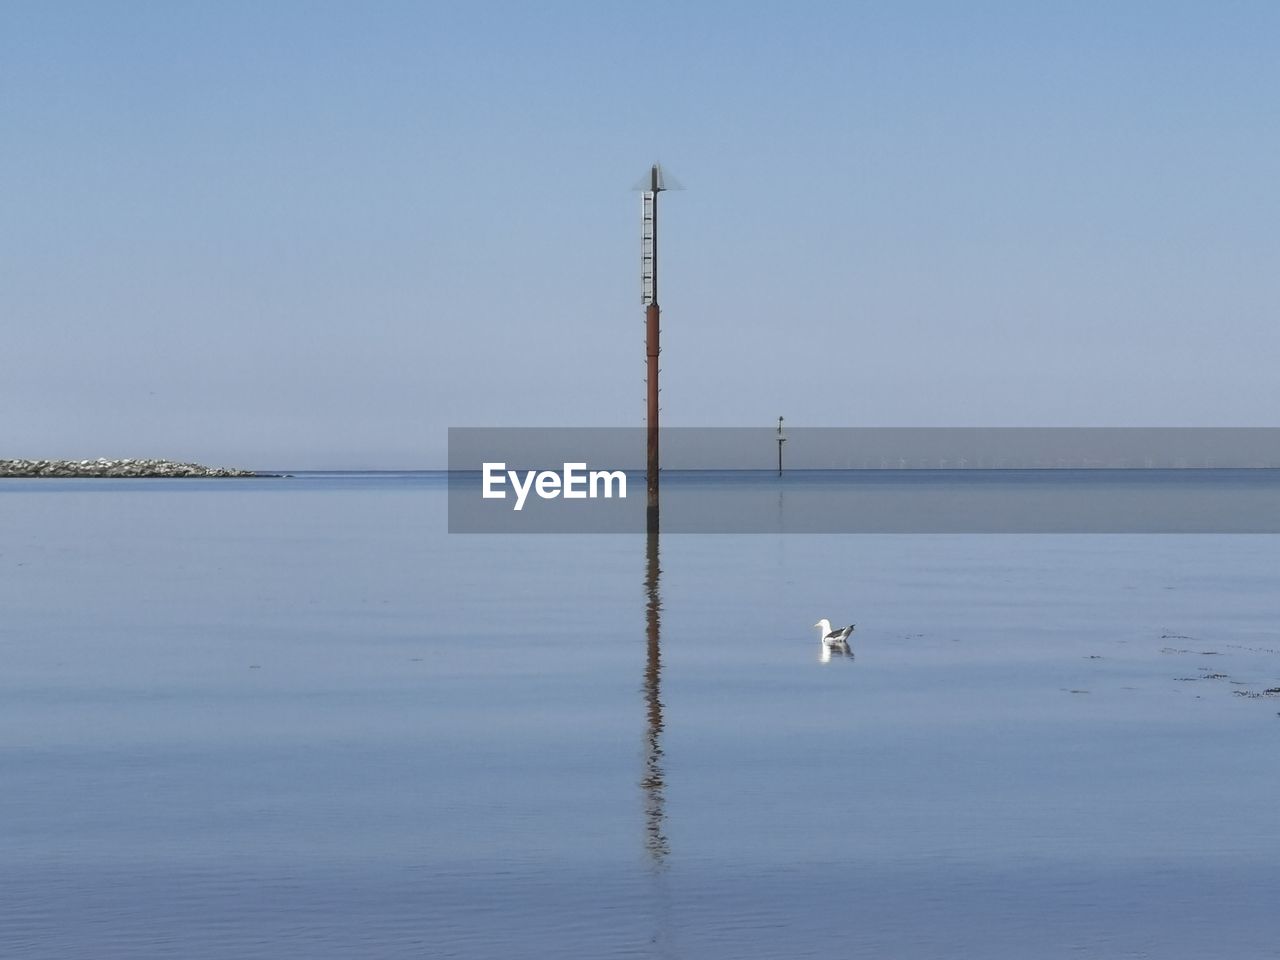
(103, 467)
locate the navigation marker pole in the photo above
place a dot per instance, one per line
(656, 182)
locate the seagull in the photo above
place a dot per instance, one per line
(833, 641)
(829, 636)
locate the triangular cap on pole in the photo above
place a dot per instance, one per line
(657, 180)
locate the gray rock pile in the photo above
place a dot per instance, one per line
(114, 468)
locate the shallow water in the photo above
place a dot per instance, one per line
(295, 718)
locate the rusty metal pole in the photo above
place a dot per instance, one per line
(649, 255)
(652, 349)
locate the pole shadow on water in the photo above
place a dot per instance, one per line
(653, 783)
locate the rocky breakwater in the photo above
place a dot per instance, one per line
(115, 468)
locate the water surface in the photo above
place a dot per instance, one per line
(295, 718)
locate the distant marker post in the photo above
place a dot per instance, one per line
(781, 441)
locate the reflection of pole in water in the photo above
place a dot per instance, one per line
(653, 783)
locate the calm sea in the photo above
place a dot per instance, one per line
(295, 718)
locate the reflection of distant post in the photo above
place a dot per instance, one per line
(653, 783)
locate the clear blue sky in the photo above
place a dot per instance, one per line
(317, 235)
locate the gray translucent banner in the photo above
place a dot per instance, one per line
(865, 480)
